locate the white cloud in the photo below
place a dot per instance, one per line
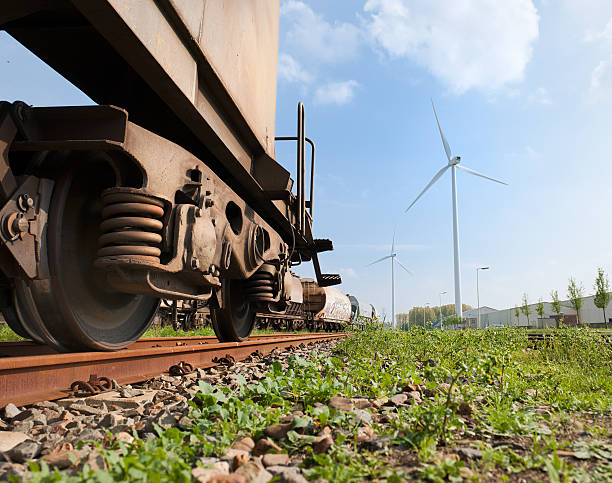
(348, 272)
(604, 35)
(312, 36)
(600, 88)
(539, 96)
(482, 44)
(336, 92)
(290, 70)
(601, 81)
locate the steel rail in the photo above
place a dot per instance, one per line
(31, 348)
(32, 378)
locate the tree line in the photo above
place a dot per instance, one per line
(575, 295)
(416, 315)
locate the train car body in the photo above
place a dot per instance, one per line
(361, 312)
(326, 303)
(167, 189)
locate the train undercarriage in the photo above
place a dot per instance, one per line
(168, 188)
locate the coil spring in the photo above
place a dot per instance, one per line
(260, 287)
(131, 226)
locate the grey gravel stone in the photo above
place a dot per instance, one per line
(48, 405)
(470, 453)
(163, 419)
(39, 420)
(10, 439)
(376, 444)
(343, 403)
(130, 392)
(110, 420)
(398, 399)
(88, 410)
(89, 434)
(52, 415)
(24, 451)
(287, 474)
(278, 431)
(278, 459)
(27, 415)
(254, 472)
(362, 416)
(12, 469)
(10, 411)
(24, 427)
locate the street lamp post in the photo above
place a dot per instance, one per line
(478, 296)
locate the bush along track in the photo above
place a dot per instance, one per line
(388, 406)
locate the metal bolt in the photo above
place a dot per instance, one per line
(25, 202)
(208, 203)
(15, 225)
(198, 212)
(212, 270)
(20, 225)
(195, 263)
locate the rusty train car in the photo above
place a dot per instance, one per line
(312, 308)
(168, 188)
(320, 308)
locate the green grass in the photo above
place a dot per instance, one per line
(6, 334)
(521, 406)
(168, 331)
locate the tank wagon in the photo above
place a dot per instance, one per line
(361, 312)
(167, 188)
(322, 308)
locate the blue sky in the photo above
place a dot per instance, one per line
(524, 93)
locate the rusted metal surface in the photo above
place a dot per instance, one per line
(28, 379)
(93, 385)
(29, 348)
(185, 200)
(180, 369)
(202, 74)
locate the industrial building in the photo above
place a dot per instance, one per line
(589, 315)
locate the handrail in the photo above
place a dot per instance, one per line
(301, 138)
(312, 163)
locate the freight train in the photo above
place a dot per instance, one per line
(320, 308)
(168, 188)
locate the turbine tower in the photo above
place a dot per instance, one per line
(453, 164)
(394, 260)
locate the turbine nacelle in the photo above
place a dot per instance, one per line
(454, 161)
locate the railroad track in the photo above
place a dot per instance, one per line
(30, 372)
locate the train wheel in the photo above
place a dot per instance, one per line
(14, 316)
(75, 309)
(235, 321)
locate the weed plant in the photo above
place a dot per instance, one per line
(531, 411)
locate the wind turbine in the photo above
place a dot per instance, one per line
(453, 163)
(394, 260)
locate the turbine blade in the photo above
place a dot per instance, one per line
(447, 148)
(400, 264)
(379, 260)
(476, 173)
(434, 179)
